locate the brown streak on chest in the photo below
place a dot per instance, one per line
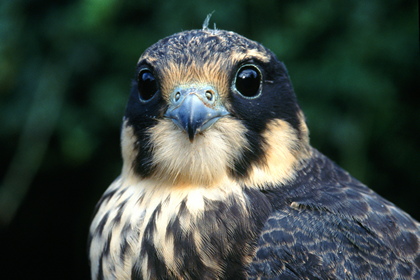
(180, 233)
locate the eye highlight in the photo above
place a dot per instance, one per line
(248, 81)
(146, 84)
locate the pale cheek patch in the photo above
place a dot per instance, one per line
(128, 150)
(283, 151)
(205, 161)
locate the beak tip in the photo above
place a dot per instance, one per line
(191, 134)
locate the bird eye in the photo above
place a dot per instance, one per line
(146, 84)
(248, 81)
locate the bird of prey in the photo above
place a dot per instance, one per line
(219, 180)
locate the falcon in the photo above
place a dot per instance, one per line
(219, 180)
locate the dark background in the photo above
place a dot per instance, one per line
(65, 71)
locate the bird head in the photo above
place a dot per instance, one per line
(206, 105)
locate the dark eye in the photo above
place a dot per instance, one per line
(248, 81)
(146, 84)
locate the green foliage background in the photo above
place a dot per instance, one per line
(65, 72)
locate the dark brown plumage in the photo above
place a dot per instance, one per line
(220, 182)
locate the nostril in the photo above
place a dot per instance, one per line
(177, 96)
(209, 95)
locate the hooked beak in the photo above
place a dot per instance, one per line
(195, 108)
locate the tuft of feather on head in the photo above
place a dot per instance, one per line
(207, 22)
